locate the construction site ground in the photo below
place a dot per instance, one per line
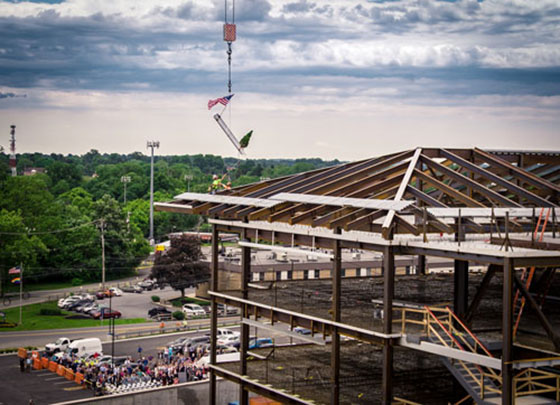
(305, 369)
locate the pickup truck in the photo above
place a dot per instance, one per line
(59, 346)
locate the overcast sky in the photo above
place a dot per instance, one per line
(343, 79)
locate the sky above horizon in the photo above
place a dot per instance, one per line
(344, 79)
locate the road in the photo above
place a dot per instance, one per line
(40, 338)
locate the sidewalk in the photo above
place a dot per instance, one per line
(36, 297)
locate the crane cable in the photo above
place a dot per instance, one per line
(229, 36)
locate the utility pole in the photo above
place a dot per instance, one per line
(13, 150)
(102, 227)
(124, 180)
(188, 178)
(152, 145)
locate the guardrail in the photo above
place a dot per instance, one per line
(177, 327)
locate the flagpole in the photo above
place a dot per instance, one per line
(20, 293)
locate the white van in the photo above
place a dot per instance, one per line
(82, 347)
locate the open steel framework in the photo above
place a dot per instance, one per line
(424, 191)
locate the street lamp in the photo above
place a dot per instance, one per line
(188, 178)
(124, 180)
(152, 145)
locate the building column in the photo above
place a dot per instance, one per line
(214, 315)
(461, 288)
(244, 338)
(421, 266)
(507, 334)
(336, 307)
(388, 293)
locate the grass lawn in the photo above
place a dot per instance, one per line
(33, 321)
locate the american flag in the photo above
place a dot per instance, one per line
(14, 270)
(221, 100)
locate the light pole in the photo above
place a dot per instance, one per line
(152, 145)
(188, 178)
(102, 228)
(124, 180)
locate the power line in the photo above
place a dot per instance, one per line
(50, 232)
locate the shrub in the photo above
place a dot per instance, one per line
(77, 281)
(178, 315)
(50, 311)
(155, 298)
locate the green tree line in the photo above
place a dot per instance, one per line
(51, 221)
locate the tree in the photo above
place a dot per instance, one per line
(181, 264)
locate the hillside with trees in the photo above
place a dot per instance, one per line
(51, 213)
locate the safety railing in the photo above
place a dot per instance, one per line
(443, 326)
(532, 381)
(401, 401)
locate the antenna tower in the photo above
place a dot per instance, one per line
(13, 150)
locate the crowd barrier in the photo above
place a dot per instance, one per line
(40, 363)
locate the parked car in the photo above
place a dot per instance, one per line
(75, 304)
(102, 294)
(222, 332)
(154, 312)
(229, 340)
(255, 343)
(116, 292)
(302, 331)
(147, 284)
(133, 289)
(192, 310)
(94, 306)
(105, 313)
(64, 302)
(192, 343)
(82, 347)
(178, 345)
(226, 310)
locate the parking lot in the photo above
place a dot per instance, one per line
(134, 305)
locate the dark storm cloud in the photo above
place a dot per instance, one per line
(459, 47)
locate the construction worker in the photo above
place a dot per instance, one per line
(216, 184)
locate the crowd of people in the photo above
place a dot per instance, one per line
(166, 368)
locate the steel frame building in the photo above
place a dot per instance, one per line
(396, 205)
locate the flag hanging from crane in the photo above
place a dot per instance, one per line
(222, 100)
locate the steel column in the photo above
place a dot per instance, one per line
(388, 293)
(421, 266)
(507, 334)
(336, 307)
(214, 315)
(244, 338)
(461, 288)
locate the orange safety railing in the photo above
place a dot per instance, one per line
(69, 374)
(60, 370)
(79, 378)
(53, 366)
(22, 352)
(36, 364)
(519, 302)
(44, 362)
(532, 381)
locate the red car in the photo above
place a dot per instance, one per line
(105, 314)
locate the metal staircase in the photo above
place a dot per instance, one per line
(481, 383)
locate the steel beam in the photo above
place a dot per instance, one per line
(214, 315)
(388, 293)
(336, 316)
(496, 179)
(258, 388)
(507, 334)
(461, 288)
(554, 338)
(244, 338)
(388, 222)
(480, 292)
